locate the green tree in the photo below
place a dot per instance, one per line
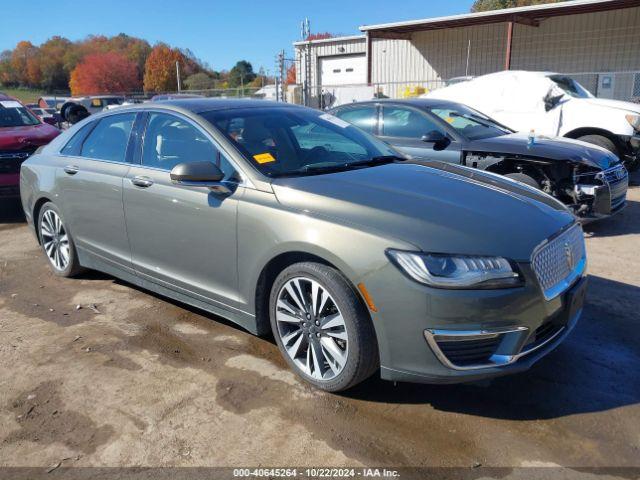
(241, 74)
(199, 81)
(485, 5)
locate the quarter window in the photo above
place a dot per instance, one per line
(407, 123)
(109, 139)
(364, 118)
(169, 140)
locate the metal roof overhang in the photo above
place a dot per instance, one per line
(531, 16)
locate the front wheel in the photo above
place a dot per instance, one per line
(57, 242)
(321, 327)
(523, 178)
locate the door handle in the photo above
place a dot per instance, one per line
(143, 182)
(71, 169)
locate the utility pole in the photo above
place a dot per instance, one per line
(178, 75)
(305, 31)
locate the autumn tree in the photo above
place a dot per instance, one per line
(54, 69)
(109, 72)
(291, 74)
(24, 62)
(199, 81)
(485, 5)
(319, 36)
(160, 69)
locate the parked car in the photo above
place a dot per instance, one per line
(174, 96)
(353, 260)
(590, 180)
(21, 133)
(552, 104)
(93, 104)
(52, 102)
(47, 115)
(455, 80)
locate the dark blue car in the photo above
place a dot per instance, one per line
(590, 180)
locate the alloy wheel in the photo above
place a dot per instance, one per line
(55, 240)
(311, 328)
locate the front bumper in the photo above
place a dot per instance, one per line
(413, 320)
(603, 194)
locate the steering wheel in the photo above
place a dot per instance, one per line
(316, 154)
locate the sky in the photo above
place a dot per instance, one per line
(218, 32)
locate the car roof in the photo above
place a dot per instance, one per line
(199, 105)
(415, 102)
(4, 96)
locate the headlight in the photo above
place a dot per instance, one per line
(634, 121)
(456, 271)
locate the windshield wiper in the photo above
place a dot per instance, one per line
(379, 160)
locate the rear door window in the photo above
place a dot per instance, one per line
(109, 140)
(407, 123)
(365, 118)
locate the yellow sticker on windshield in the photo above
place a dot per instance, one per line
(264, 158)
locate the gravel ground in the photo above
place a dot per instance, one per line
(133, 379)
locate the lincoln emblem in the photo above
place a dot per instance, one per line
(569, 255)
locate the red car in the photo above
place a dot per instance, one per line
(21, 133)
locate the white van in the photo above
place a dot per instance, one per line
(555, 105)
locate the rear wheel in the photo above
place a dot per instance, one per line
(321, 327)
(523, 178)
(57, 242)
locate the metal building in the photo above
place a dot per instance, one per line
(595, 41)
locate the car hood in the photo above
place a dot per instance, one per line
(605, 102)
(552, 148)
(435, 206)
(18, 138)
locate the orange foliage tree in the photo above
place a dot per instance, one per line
(108, 72)
(160, 69)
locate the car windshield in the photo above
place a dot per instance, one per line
(570, 86)
(470, 124)
(14, 114)
(297, 142)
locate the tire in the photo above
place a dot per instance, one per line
(320, 328)
(522, 178)
(57, 243)
(600, 141)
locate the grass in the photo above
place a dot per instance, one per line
(25, 95)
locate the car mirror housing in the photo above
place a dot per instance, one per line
(440, 140)
(197, 174)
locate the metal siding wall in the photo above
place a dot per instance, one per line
(439, 54)
(351, 47)
(594, 42)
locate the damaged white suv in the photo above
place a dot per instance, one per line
(555, 105)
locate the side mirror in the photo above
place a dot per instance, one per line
(199, 174)
(551, 101)
(440, 140)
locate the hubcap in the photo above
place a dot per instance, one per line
(55, 240)
(312, 328)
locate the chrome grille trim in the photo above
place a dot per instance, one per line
(559, 261)
(615, 174)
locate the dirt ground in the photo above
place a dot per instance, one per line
(95, 372)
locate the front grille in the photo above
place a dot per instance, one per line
(560, 261)
(10, 161)
(463, 353)
(615, 174)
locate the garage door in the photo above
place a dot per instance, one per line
(343, 70)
